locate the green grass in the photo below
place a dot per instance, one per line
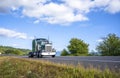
(11, 67)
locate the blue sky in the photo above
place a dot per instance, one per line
(89, 20)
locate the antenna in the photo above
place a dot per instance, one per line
(48, 38)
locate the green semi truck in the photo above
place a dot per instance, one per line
(42, 47)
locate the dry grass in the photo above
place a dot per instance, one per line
(11, 67)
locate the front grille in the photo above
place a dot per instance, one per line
(48, 48)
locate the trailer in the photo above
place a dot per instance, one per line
(42, 47)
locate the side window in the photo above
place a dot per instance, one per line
(42, 43)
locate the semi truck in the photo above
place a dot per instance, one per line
(42, 47)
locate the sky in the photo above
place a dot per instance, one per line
(59, 20)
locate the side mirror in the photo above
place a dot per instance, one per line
(53, 50)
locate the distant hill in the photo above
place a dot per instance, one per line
(12, 50)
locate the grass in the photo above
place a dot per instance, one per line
(11, 67)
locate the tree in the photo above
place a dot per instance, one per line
(64, 52)
(110, 46)
(78, 47)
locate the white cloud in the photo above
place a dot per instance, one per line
(12, 34)
(100, 3)
(99, 40)
(113, 7)
(82, 6)
(54, 13)
(59, 13)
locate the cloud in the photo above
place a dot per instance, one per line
(62, 12)
(113, 6)
(100, 40)
(81, 6)
(12, 34)
(54, 13)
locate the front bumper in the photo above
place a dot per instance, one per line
(48, 53)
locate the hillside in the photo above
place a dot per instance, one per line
(12, 50)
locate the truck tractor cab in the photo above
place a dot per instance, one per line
(42, 47)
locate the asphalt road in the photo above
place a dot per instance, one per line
(101, 62)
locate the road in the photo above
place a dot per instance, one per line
(102, 62)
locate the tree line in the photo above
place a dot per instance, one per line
(14, 51)
(109, 46)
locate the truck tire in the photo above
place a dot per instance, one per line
(53, 56)
(39, 55)
(30, 56)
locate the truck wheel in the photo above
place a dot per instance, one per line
(30, 56)
(41, 56)
(38, 56)
(53, 56)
